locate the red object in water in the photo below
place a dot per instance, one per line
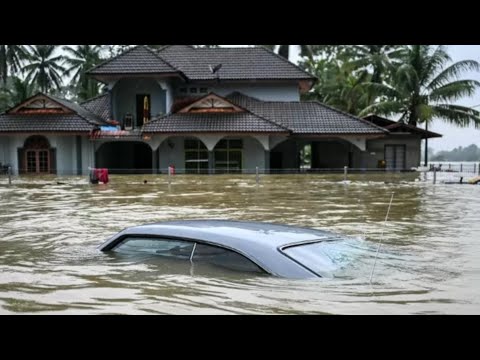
(102, 175)
(172, 169)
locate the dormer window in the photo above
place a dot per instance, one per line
(193, 90)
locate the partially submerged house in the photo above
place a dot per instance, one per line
(221, 110)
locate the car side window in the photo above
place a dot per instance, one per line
(224, 258)
(165, 247)
(186, 250)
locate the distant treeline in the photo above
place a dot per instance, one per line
(469, 153)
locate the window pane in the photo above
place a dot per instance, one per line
(222, 144)
(43, 161)
(224, 258)
(191, 144)
(31, 161)
(163, 247)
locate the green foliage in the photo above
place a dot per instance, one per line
(79, 60)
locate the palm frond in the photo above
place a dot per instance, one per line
(455, 90)
(458, 115)
(453, 72)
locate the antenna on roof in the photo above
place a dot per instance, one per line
(215, 69)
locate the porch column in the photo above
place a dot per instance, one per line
(78, 149)
(211, 162)
(297, 156)
(154, 161)
(94, 151)
(315, 155)
(267, 161)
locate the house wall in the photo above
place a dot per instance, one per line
(125, 101)
(172, 155)
(281, 91)
(88, 155)
(376, 149)
(253, 155)
(267, 92)
(66, 161)
(4, 150)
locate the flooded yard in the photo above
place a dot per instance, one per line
(50, 227)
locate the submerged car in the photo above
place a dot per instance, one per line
(279, 250)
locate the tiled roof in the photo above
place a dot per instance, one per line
(43, 123)
(138, 60)
(99, 105)
(83, 112)
(397, 126)
(307, 117)
(242, 63)
(81, 120)
(207, 122)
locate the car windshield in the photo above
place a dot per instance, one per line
(323, 257)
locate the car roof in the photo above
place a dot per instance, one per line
(225, 231)
(257, 240)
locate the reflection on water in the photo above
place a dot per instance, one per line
(428, 263)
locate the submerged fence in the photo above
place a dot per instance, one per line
(438, 171)
(453, 172)
(466, 168)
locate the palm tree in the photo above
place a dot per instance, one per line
(43, 68)
(425, 87)
(79, 60)
(11, 57)
(339, 84)
(380, 58)
(21, 90)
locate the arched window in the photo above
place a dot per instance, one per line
(36, 157)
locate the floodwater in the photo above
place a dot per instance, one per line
(429, 262)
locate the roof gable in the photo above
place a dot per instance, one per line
(46, 113)
(211, 103)
(40, 104)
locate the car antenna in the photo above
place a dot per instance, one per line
(381, 238)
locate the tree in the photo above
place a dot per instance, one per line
(339, 85)
(78, 61)
(379, 58)
(15, 92)
(43, 68)
(425, 87)
(11, 57)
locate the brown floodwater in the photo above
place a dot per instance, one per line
(50, 228)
